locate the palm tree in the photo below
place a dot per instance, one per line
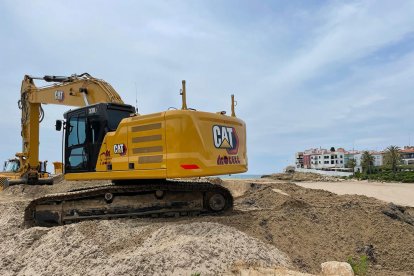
(367, 161)
(392, 157)
(351, 164)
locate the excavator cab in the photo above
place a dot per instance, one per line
(11, 166)
(10, 171)
(85, 130)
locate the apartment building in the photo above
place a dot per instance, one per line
(320, 159)
(299, 160)
(328, 160)
(349, 155)
(324, 159)
(378, 160)
(407, 155)
(308, 157)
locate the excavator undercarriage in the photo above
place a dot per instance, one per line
(140, 198)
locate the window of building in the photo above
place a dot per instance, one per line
(332, 162)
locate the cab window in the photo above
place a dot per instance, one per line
(77, 131)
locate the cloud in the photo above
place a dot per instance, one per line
(304, 74)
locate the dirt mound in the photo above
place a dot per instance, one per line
(315, 226)
(127, 247)
(299, 176)
(310, 226)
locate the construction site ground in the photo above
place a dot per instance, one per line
(275, 224)
(399, 193)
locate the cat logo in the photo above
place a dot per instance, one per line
(120, 149)
(226, 138)
(59, 95)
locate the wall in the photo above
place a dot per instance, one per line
(330, 173)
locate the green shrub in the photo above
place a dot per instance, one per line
(387, 175)
(359, 266)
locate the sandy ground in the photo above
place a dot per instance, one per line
(273, 224)
(399, 193)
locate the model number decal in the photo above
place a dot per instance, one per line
(92, 110)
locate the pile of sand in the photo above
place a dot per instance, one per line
(127, 247)
(310, 226)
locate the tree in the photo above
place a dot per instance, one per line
(367, 161)
(351, 164)
(392, 157)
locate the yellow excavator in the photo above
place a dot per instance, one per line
(147, 157)
(12, 170)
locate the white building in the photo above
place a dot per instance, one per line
(378, 160)
(327, 159)
(323, 159)
(299, 160)
(407, 155)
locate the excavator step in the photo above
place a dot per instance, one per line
(152, 199)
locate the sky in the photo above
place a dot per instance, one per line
(305, 74)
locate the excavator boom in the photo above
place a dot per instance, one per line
(76, 90)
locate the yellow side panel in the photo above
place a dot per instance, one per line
(136, 150)
(146, 142)
(107, 155)
(198, 144)
(172, 144)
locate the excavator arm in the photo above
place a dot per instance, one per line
(76, 90)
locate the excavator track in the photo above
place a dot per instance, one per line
(154, 198)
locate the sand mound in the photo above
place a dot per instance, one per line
(127, 247)
(311, 226)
